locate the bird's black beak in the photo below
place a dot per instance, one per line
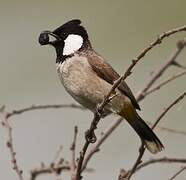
(44, 37)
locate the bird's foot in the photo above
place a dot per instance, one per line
(99, 111)
(90, 136)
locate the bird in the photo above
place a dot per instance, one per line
(88, 78)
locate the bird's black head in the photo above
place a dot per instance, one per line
(68, 39)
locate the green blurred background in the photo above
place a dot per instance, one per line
(118, 31)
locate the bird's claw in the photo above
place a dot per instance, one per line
(90, 136)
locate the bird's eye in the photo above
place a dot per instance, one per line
(64, 34)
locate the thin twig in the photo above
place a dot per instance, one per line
(38, 107)
(168, 108)
(73, 149)
(57, 155)
(172, 130)
(161, 160)
(10, 146)
(169, 130)
(129, 174)
(57, 168)
(48, 170)
(165, 82)
(171, 60)
(124, 173)
(178, 173)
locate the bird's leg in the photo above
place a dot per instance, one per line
(90, 134)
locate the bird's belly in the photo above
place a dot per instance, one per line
(86, 87)
(82, 83)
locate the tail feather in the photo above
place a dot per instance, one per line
(146, 134)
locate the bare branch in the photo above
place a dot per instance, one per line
(124, 174)
(57, 155)
(48, 170)
(73, 149)
(168, 108)
(169, 130)
(10, 146)
(178, 172)
(54, 168)
(165, 82)
(38, 107)
(161, 160)
(172, 130)
(171, 60)
(178, 65)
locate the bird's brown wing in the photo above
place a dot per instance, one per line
(106, 72)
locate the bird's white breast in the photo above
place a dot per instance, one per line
(74, 74)
(81, 82)
(73, 66)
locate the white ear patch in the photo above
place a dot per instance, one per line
(72, 43)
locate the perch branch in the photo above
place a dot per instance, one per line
(102, 138)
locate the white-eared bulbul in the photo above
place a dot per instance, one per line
(88, 78)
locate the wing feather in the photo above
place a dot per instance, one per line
(106, 72)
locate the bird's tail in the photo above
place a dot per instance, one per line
(146, 134)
